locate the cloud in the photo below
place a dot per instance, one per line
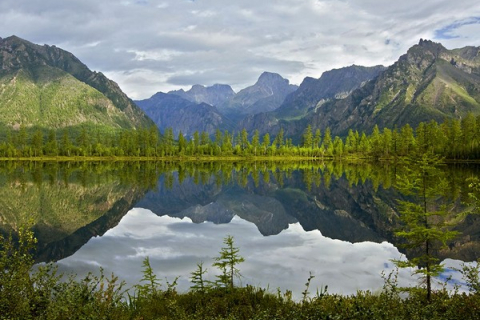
(455, 30)
(284, 261)
(236, 40)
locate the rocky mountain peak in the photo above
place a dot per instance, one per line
(267, 77)
(272, 81)
(423, 54)
(213, 95)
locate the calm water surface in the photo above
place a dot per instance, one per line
(334, 221)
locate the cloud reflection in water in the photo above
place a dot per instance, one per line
(282, 261)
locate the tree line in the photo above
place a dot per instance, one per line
(452, 139)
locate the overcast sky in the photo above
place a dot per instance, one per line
(160, 45)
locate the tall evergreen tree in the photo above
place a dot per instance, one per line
(425, 222)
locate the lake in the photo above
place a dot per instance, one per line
(335, 221)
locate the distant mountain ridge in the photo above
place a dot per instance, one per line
(49, 87)
(173, 111)
(427, 83)
(266, 94)
(217, 107)
(333, 84)
(214, 95)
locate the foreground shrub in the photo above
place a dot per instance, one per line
(44, 294)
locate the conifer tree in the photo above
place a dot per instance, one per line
(425, 221)
(227, 263)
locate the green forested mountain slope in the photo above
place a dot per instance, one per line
(428, 83)
(48, 87)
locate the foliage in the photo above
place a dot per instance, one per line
(227, 263)
(199, 283)
(471, 275)
(453, 139)
(41, 293)
(425, 223)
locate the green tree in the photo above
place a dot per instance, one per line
(154, 138)
(317, 139)
(425, 221)
(168, 141)
(227, 263)
(386, 142)
(199, 283)
(470, 140)
(265, 142)
(22, 138)
(351, 142)
(37, 143)
(243, 139)
(51, 147)
(196, 141)
(227, 145)
(182, 143)
(279, 139)
(327, 144)
(406, 141)
(308, 137)
(375, 142)
(454, 139)
(66, 144)
(255, 142)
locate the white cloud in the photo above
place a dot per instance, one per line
(236, 40)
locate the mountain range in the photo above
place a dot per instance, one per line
(429, 82)
(49, 88)
(216, 107)
(169, 110)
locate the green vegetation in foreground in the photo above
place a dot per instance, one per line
(44, 294)
(453, 140)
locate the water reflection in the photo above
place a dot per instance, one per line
(334, 219)
(66, 203)
(174, 247)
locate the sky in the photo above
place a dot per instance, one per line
(148, 46)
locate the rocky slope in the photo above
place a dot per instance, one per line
(48, 87)
(172, 111)
(214, 95)
(266, 94)
(312, 93)
(333, 84)
(428, 83)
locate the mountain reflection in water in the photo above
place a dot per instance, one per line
(332, 219)
(174, 247)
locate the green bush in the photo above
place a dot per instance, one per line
(42, 293)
